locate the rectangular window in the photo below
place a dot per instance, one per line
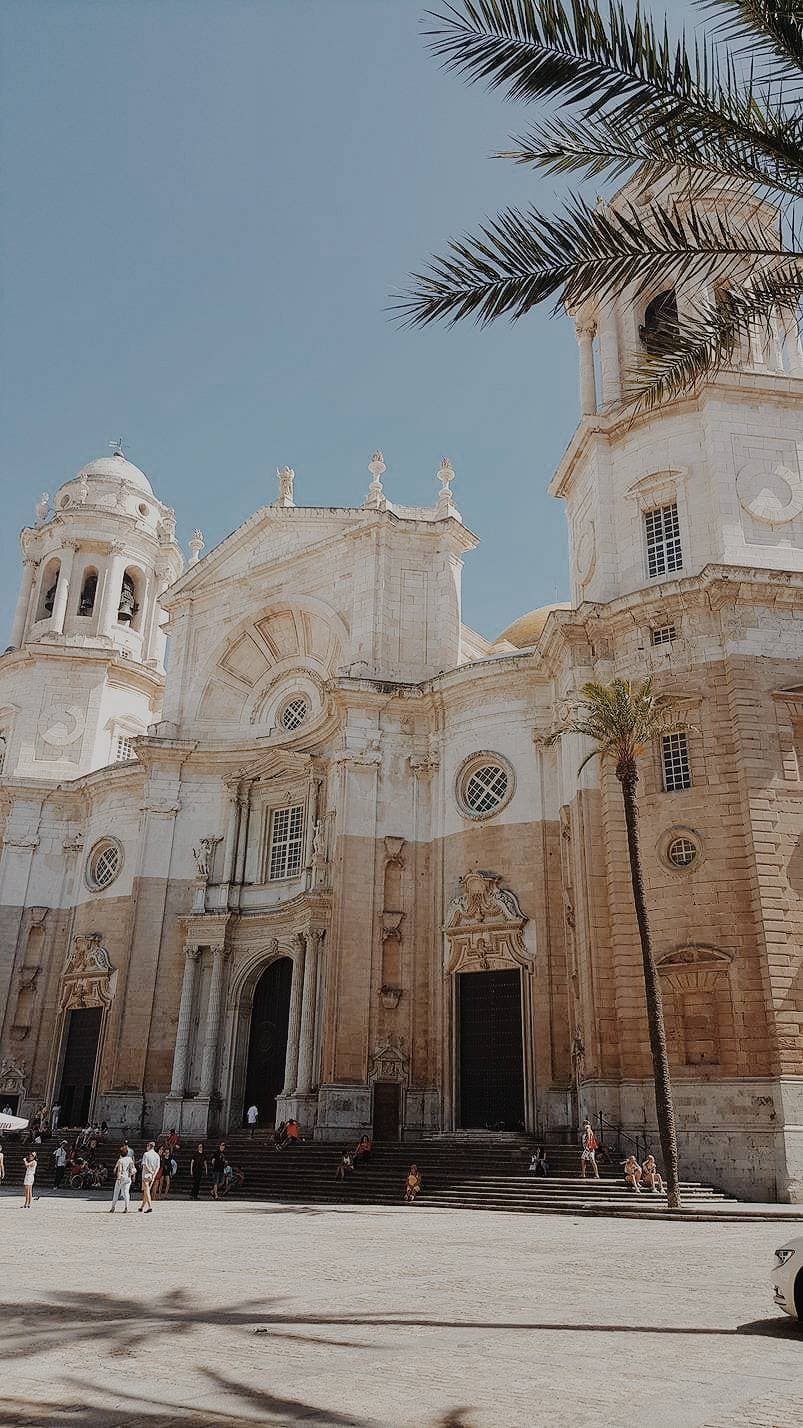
(123, 749)
(286, 842)
(662, 529)
(664, 635)
(675, 758)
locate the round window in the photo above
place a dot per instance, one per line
(485, 784)
(104, 863)
(294, 712)
(682, 852)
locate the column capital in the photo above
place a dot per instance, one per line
(192, 951)
(315, 936)
(219, 949)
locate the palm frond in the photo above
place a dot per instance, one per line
(601, 147)
(772, 29)
(548, 49)
(712, 334)
(587, 254)
(621, 719)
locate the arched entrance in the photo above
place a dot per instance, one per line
(491, 1064)
(267, 1042)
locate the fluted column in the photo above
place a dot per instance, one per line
(23, 601)
(181, 1054)
(588, 377)
(307, 1039)
(212, 1029)
(609, 357)
(67, 556)
(294, 1019)
(110, 600)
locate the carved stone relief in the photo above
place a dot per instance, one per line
(88, 974)
(485, 927)
(390, 1062)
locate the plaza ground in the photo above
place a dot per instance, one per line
(252, 1313)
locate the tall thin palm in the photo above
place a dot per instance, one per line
(623, 720)
(684, 122)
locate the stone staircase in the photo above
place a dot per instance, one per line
(462, 1172)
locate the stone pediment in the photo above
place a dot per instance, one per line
(484, 927)
(88, 977)
(276, 764)
(792, 698)
(696, 967)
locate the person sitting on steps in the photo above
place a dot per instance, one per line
(651, 1176)
(363, 1151)
(412, 1185)
(345, 1167)
(633, 1173)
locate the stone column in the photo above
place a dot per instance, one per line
(294, 1019)
(181, 1054)
(212, 1030)
(588, 377)
(306, 1048)
(110, 600)
(67, 557)
(609, 357)
(23, 601)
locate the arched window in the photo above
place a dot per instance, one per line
(47, 589)
(89, 589)
(661, 322)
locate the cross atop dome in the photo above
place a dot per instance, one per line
(117, 447)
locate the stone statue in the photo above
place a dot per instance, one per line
(286, 477)
(317, 840)
(42, 508)
(204, 855)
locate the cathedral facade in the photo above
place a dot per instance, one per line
(330, 858)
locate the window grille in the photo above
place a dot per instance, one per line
(123, 749)
(675, 755)
(286, 842)
(294, 712)
(682, 852)
(104, 864)
(665, 635)
(662, 529)
(485, 788)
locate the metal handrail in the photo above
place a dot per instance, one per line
(620, 1136)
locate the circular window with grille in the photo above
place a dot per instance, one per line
(485, 785)
(293, 712)
(682, 852)
(104, 864)
(679, 849)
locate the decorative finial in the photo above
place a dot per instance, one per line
(196, 544)
(42, 508)
(445, 476)
(377, 468)
(286, 476)
(117, 447)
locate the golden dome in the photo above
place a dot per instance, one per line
(527, 630)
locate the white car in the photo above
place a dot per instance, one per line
(787, 1278)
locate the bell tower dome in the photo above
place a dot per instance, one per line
(84, 671)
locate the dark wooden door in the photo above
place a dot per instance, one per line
(387, 1108)
(491, 1063)
(78, 1068)
(267, 1044)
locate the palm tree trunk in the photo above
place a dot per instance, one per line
(664, 1106)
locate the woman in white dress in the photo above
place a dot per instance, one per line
(29, 1177)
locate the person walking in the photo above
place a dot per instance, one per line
(199, 1169)
(588, 1155)
(149, 1165)
(29, 1162)
(60, 1164)
(252, 1116)
(123, 1172)
(219, 1169)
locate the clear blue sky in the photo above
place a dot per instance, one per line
(207, 204)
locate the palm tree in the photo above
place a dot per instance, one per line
(623, 720)
(686, 124)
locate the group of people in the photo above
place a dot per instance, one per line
(216, 1166)
(637, 1176)
(360, 1155)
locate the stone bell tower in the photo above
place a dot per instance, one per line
(716, 477)
(84, 671)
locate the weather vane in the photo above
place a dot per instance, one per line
(117, 446)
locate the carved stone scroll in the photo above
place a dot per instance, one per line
(485, 927)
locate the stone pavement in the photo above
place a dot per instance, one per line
(249, 1313)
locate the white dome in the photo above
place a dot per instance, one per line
(116, 468)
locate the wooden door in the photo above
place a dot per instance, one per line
(387, 1108)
